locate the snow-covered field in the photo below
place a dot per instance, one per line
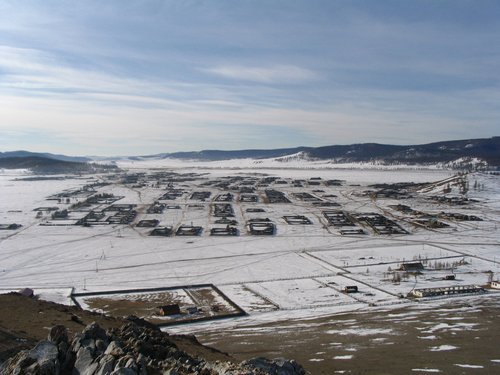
(300, 271)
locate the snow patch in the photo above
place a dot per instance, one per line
(468, 366)
(361, 331)
(443, 348)
(294, 157)
(425, 370)
(451, 327)
(379, 339)
(465, 162)
(14, 172)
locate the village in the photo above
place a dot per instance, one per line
(266, 243)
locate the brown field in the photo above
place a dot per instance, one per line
(146, 305)
(402, 341)
(25, 321)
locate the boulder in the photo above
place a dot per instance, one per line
(100, 345)
(41, 360)
(124, 371)
(278, 366)
(106, 365)
(130, 350)
(114, 349)
(95, 332)
(84, 364)
(58, 334)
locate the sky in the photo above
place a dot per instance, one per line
(130, 77)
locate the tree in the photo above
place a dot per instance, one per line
(396, 277)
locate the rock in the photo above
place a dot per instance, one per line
(41, 360)
(130, 350)
(63, 347)
(100, 345)
(131, 364)
(69, 361)
(58, 334)
(142, 361)
(93, 338)
(44, 351)
(204, 371)
(124, 371)
(16, 364)
(142, 323)
(114, 349)
(106, 365)
(76, 319)
(276, 367)
(75, 344)
(88, 343)
(44, 368)
(94, 331)
(126, 361)
(84, 364)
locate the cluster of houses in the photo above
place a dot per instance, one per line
(380, 224)
(446, 291)
(12, 226)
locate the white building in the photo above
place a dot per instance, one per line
(495, 285)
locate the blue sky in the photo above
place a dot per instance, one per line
(144, 77)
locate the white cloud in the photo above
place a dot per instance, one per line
(95, 112)
(119, 128)
(273, 74)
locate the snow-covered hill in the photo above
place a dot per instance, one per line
(299, 160)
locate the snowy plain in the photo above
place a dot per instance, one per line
(299, 272)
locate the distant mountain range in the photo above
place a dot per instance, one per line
(43, 165)
(23, 154)
(485, 151)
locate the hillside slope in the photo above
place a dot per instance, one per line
(484, 150)
(23, 154)
(102, 345)
(42, 165)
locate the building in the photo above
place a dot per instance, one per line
(261, 227)
(446, 291)
(167, 310)
(495, 284)
(192, 310)
(412, 267)
(351, 289)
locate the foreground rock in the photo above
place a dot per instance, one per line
(130, 350)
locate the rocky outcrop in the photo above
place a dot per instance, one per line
(133, 349)
(41, 360)
(276, 367)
